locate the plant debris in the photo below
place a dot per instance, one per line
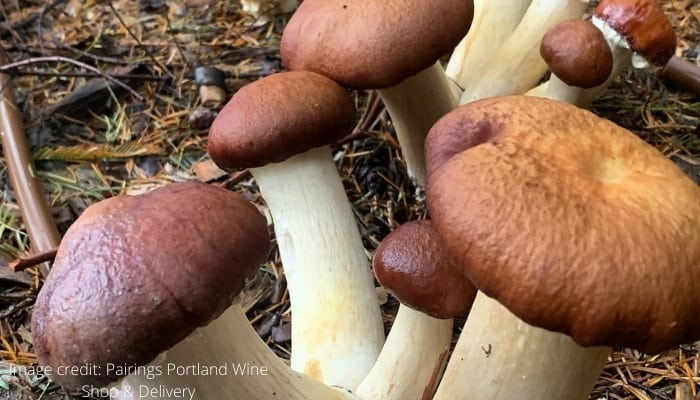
(111, 106)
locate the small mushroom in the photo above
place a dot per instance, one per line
(411, 265)
(390, 45)
(579, 235)
(638, 34)
(579, 58)
(143, 285)
(263, 9)
(281, 127)
(211, 82)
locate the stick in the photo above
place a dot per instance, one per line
(24, 262)
(23, 177)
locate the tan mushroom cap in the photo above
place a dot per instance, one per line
(373, 44)
(277, 117)
(577, 53)
(644, 25)
(412, 265)
(136, 274)
(570, 221)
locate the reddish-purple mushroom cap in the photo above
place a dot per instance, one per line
(577, 53)
(373, 44)
(643, 24)
(412, 265)
(277, 117)
(573, 223)
(134, 275)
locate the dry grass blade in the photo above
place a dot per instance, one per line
(97, 152)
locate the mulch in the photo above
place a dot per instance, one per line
(93, 138)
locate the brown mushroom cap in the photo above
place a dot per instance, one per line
(136, 274)
(577, 53)
(644, 25)
(277, 117)
(411, 264)
(573, 223)
(373, 44)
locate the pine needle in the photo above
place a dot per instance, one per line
(96, 152)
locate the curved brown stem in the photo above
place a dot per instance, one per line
(684, 73)
(35, 211)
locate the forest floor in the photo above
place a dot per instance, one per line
(92, 139)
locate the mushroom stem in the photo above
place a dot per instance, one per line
(35, 211)
(412, 359)
(499, 357)
(555, 89)
(337, 332)
(683, 73)
(415, 105)
(517, 65)
(558, 90)
(494, 21)
(241, 365)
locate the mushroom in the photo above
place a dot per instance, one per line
(390, 45)
(262, 9)
(579, 57)
(280, 127)
(516, 65)
(569, 226)
(211, 82)
(412, 266)
(145, 279)
(637, 32)
(494, 21)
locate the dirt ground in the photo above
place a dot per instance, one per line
(93, 139)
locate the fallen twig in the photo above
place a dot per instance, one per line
(29, 61)
(24, 262)
(30, 197)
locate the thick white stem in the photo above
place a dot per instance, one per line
(556, 89)
(622, 59)
(225, 360)
(337, 330)
(493, 23)
(412, 360)
(414, 106)
(499, 357)
(517, 65)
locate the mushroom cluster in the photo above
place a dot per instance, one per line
(544, 226)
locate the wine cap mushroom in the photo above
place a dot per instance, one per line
(573, 223)
(373, 44)
(411, 264)
(577, 53)
(279, 116)
(134, 275)
(641, 25)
